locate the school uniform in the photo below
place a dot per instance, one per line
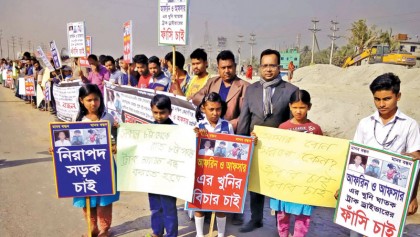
(164, 211)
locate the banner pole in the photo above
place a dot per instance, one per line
(88, 216)
(173, 60)
(213, 215)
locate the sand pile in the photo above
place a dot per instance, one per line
(341, 97)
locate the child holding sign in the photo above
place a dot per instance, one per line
(163, 208)
(213, 108)
(300, 104)
(92, 108)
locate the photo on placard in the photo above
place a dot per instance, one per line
(357, 162)
(110, 100)
(95, 136)
(76, 137)
(373, 167)
(220, 149)
(207, 147)
(394, 173)
(238, 151)
(62, 138)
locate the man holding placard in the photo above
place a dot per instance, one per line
(267, 104)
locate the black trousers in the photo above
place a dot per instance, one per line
(257, 207)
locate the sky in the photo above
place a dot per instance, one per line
(276, 23)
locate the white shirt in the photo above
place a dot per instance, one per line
(218, 128)
(404, 133)
(203, 152)
(357, 169)
(62, 143)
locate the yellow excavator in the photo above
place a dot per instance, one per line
(382, 54)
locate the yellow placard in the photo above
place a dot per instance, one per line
(297, 167)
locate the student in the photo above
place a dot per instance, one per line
(221, 149)
(62, 140)
(213, 108)
(207, 150)
(300, 104)
(163, 208)
(389, 128)
(159, 81)
(357, 165)
(92, 108)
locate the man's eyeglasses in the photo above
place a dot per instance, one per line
(271, 66)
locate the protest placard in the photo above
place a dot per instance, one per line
(375, 191)
(66, 100)
(22, 86)
(83, 60)
(128, 41)
(55, 55)
(132, 105)
(156, 158)
(76, 38)
(83, 164)
(221, 176)
(9, 79)
(29, 86)
(44, 59)
(173, 22)
(297, 167)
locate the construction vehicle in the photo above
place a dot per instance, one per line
(382, 54)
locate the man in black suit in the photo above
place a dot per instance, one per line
(266, 103)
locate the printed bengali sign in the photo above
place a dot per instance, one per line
(29, 86)
(76, 38)
(297, 167)
(375, 191)
(128, 41)
(221, 176)
(9, 79)
(132, 105)
(173, 22)
(44, 59)
(156, 158)
(66, 100)
(83, 60)
(82, 159)
(55, 55)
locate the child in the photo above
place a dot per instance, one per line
(207, 150)
(300, 104)
(163, 208)
(373, 169)
(213, 108)
(77, 139)
(92, 108)
(388, 128)
(236, 151)
(357, 165)
(62, 140)
(221, 150)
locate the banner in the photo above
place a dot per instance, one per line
(83, 60)
(83, 164)
(156, 158)
(55, 55)
(297, 167)
(9, 79)
(22, 86)
(29, 86)
(66, 96)
(132, 105)
(76, 39)
(173, 22)
(221, 173)
(375, 191)
(128, 41)
(44, 59)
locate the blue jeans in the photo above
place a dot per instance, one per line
(164, 215)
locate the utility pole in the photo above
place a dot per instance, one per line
(13, 46)
(298, 42)
(252, 42)
(314, 30)
(1, 47)
(333, 37)
(239, 41)
(21, 44)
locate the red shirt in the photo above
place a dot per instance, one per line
(308, 127)
(144, 81)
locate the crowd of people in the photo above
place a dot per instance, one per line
(225, 104)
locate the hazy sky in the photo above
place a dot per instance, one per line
(276, 23)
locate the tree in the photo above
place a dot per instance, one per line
(362, 36)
